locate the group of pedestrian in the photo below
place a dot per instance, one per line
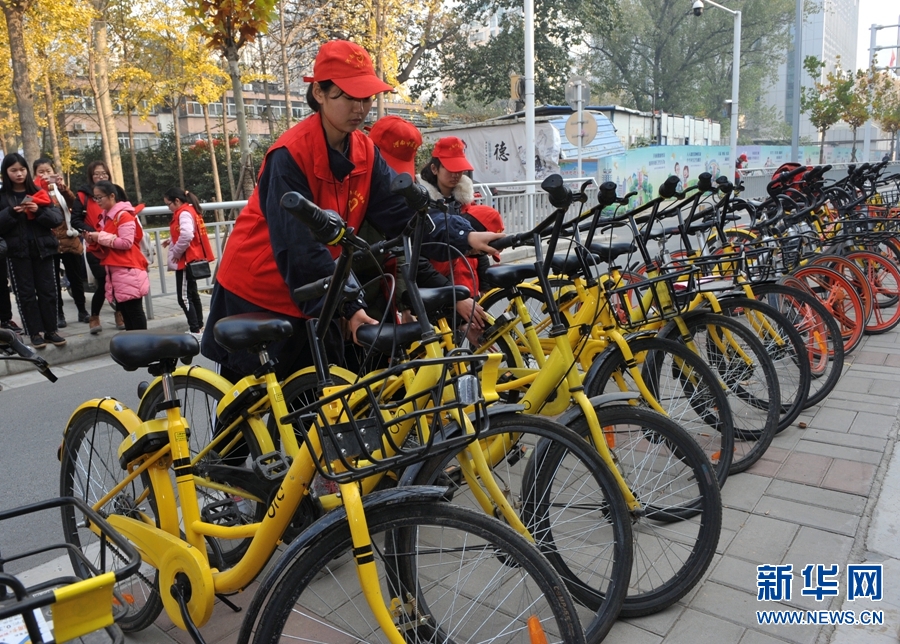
(44, 226)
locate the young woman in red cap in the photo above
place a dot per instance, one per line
(330, 161)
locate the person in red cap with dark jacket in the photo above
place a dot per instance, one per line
(27, 220)
(328, 160)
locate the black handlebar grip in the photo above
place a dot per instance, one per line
(669, 188)
(416, 196)
(560, 196)
(326, 225)
(504, 242)
(312, 290)
(606, 196)
(704, 182)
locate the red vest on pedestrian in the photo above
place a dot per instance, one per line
(200, 248)
(131, 258)
(247, 267)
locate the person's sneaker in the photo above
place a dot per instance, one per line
(95, 324)
(12, 326)
(55, 339)
(120, 321)
(61, 322)
(37, 341)
(84, 316)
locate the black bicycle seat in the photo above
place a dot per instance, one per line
(609, 252)
(251, 331)
(442, 297)
(138, 349)
(509, 275)
(389, 338)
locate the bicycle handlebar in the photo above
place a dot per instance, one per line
(326, 225)
(11, 340)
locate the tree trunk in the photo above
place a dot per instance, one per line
(379, 55)
(213, 162)
(247, 178)
(853, 147)
(133, 155)
(176, 129)
(51, 123)
(262, 61)
(289, 108)
(101, 122)
(104, 99)
(822, 147)
(21, 80)
(228, 165)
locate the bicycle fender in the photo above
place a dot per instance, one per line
(126, 416)
(321, 529)
(346, 374)
(597, 401)
(600, 360)
(411, 472)
(671, 331)
(194, 371)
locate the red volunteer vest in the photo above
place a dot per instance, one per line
(92, 211)
(200, 248)
(131, 258)
(247, 267)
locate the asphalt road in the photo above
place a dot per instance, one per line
(33, 414)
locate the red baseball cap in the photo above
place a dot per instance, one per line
(451, 152)
(398, 140)
(348, 66)
(743, 157)
(489, 217)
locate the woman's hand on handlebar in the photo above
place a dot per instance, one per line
(479, 241)
(351, 324)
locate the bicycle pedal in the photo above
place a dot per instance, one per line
(272, 466)
(225, 513)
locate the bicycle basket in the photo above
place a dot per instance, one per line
(74, 606)
(651, 300)
(376, 424)
(753, 262)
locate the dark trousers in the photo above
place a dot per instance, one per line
(192, 306)
(5, 297)
(133, 313)
(74, 266)
(35, 289)
(99, 273)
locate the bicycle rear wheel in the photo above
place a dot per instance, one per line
(89, 470)
(457, 576)
(839, 297)
(568, 500)
(677, 529)
(883, 278)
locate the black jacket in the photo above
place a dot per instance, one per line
(17, 229)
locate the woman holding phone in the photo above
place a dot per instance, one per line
(27, 220)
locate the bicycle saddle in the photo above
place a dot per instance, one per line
(568, 263)
(138, 349)
(608, 252)
(507, 276)
(390, 338)
(442, 297)
(251, 331)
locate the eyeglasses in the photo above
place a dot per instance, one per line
(100, 198)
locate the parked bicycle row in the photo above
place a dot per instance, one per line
(538, 479)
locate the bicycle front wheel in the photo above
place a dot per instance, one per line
(567, 499)
(451, 575)
(89, 470)
(677, 529)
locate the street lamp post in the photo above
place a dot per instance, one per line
(867, 136)
(735, 72)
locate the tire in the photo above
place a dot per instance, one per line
(685, 387)
(821, 335)
(752, 387)
(675, 536)
(839, 297)
(854, 275)
(883, 278)
(568, 499)
(471, 579)
(199, 400)
(89, 469)
(785, 348)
